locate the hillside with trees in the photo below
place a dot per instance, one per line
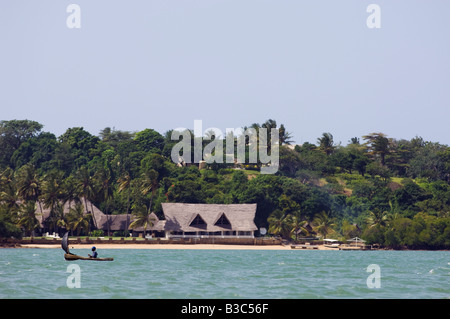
(392, 192)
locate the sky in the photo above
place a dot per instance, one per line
(314, 66)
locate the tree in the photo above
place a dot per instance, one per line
(186, 191)
(27, 217)
(378, 145)
(113, 137)
(142, 218)
(377, 218)
(344, 159)
(29, 184)
(12, 134)
(104, 181)
(285, 136)
(290, 161)
(81, 145)
(409, 195)
(149, 185)
(326, 143)
(77, 220)
(70, 191)
(350, 230)
(85, 184)
(323, 224)
(149, 140)
(296, 222)
(376, 170)
(38, 151)
(124, 182)
(8, 227)
(431, 161)
(52, 193)
(8, 189)
(360, 164)
(278, 224)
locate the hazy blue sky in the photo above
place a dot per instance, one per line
(313, 65)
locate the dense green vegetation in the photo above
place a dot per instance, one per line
(391, 192)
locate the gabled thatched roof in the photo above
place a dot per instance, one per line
(187, 217)
(98, 216)
(117, 222)
(100, 220)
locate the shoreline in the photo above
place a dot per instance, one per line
(172, 246)
(193, 247)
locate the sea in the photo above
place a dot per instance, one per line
(228, 274)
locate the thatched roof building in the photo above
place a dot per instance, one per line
(186, 220)
(181, 220)
(99, 219)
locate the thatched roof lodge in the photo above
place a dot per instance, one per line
(180, 220)
(207, 220)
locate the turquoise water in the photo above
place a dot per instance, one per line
(42, 273)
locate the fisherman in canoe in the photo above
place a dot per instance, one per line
(94, 253)
(69, 256)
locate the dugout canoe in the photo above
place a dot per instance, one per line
(69, 256)
(76, 257)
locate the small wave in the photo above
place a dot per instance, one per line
(154, 283)
(61, 289)
(105, 289)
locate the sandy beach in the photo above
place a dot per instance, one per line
(173, 246)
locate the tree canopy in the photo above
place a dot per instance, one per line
(394, 192)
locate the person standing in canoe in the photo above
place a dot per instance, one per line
(94, 253)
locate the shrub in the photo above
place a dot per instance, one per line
(97, 233)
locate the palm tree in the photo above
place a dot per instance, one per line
(8, 192)
(52, 194)
(125, 183)
(85, 184)
(77, 219)
(149, 184)
(378, 144)
(103, 178)
(27, 217)
(377, 218)
(350, 230)
(60, 217)
(296, 221)
(285, 136)
(323, 224)
(9, 196)
(142, 218)
(326, 143)
(268, 125)
(279, 224)
(70, 192)
(29, 184)
(7, 177)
